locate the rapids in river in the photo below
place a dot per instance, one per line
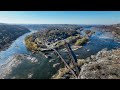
(45, 69)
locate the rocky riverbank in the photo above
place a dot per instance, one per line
(104, 65)
(13, 62)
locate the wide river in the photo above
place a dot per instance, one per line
(97, 42)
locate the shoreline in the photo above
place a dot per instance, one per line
(113, 32)
(13, 62)
(7, 67)
(72, 46)
(104, 65)
(6, 46)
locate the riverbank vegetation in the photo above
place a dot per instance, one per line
(81, 41)
(103, 65)
(9, 33)
(114, 29)
(48, 39)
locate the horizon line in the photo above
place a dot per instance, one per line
(58, 24)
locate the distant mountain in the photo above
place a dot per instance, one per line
(8, 33)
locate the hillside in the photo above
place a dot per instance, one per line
(51, 26)
(9, 33)
(115, 29)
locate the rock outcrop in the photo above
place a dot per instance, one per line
(14, 61)
(104, 65)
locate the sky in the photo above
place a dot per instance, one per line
(60, 17)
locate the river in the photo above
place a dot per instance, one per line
(97, 42)
(17, 47)
(44, 70)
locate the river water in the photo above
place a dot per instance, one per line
(17, 47)
(44, 69)
(97, 42)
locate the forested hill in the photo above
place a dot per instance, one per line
(115, 29)
(9, 33)
(51, 26)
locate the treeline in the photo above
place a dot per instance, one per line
(115, 29)
(52, 26)
(56, 36)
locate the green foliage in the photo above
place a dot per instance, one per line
(81, 41)
(72, 39)
(30, 45)
(59, 43)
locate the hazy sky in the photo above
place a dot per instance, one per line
(60, 17)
